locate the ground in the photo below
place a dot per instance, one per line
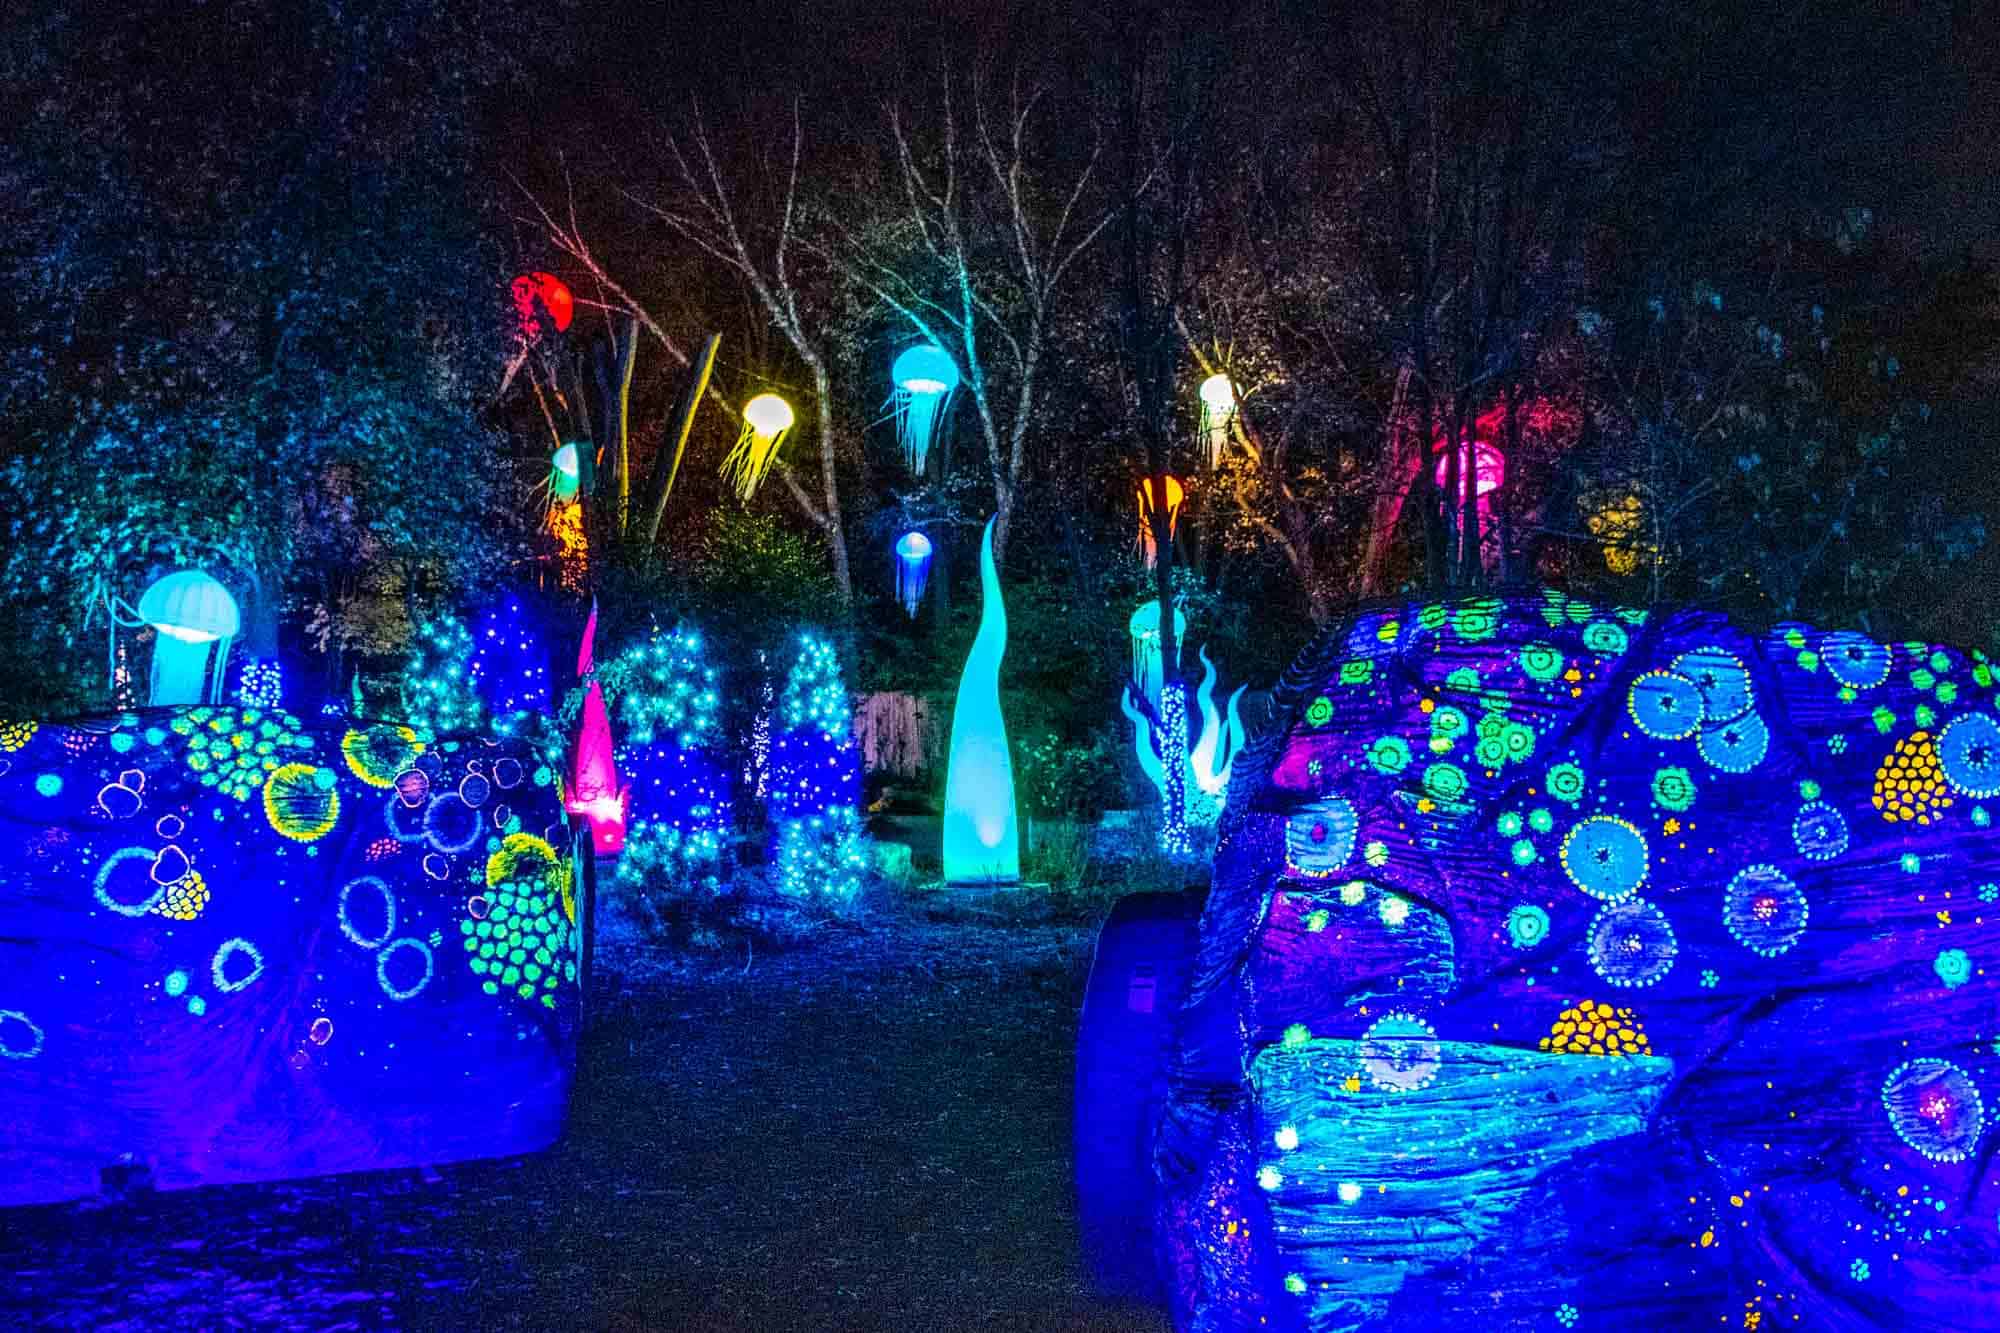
(870, 1131)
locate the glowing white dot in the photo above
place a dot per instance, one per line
(1269, 1177)
(1349, 1191)
(1288, 1138)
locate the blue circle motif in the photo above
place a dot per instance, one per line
(1934, 1107)
(1319, 838)
(1667, 707)
(1605, 857)
(1721, 678)
(1764, 911)
(1738, 746)
(1631, 943)
(1968, 748)
(1819, 831)
(1854, 659)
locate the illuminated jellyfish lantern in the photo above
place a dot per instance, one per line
(925, 379)
(913, 569)
(551, 294)
(190, 611)
(767, 419)
(1218, 411)
(1147, 668)
(565, 474)
(1175, 494)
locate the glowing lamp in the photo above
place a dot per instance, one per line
(1218, 393)
(564, 473)
(1488, 467)
(913, 569)
(1146, 662)
(925, 377)
(190, 611)
(1218, 409)
(766, 419)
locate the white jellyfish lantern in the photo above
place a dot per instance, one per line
(1218, 410)
(565, 473)
(925, 378)
(913, 570)
(189, 611)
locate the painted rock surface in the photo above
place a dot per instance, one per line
(1578, 966)
(237, 946)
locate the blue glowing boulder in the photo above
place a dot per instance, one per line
(1578, 966)
(235, 946)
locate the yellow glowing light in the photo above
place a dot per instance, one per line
(768, 414)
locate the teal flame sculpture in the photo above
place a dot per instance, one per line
(982, 843)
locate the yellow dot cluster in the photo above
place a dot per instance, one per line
(16, 735)
(1595, 1028)
(184, 900)
(1910, 783)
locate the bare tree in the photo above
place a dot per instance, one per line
(972, 257)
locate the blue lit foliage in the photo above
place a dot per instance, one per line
(260, 683)
(982, 842)
(665, 698)
(509, 666)
(439, 694)
(814, 787)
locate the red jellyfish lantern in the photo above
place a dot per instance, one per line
(551, 293)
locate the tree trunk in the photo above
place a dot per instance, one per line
(836, 540)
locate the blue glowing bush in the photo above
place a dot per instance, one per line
(813, 787)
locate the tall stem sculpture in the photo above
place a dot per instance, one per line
(982, 843)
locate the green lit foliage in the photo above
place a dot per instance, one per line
(438, 697)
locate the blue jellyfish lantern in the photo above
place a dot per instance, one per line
(190, 611)
(913, 569)
(925, 379)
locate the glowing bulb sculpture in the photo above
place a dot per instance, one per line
(925, 379)
(982, 843)
(1147, 668)
(1218, 410)
(190, 611)
(767, 419)
(1175, 494)
(913, 570)
(1205, 782)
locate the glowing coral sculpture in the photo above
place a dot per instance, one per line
(814, 782)
(1206, 763)
(981, 840)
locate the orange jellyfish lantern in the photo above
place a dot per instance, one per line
(1175, 494)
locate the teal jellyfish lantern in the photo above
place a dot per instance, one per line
(1147, 668)
(913, 569)
(565, 474)
(925, 379)
(190, 611)
(981, 840)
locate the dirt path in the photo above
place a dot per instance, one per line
(868, 1134)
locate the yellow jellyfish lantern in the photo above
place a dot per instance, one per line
(1218, 410)
(767, 418)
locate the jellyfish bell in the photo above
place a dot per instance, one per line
(565, 473)
(767, 418)
(913, 569)
(925, 377)
(1488, 467)
(190, 610)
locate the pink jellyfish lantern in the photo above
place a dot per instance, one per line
(1481, 466)
(594, 790)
